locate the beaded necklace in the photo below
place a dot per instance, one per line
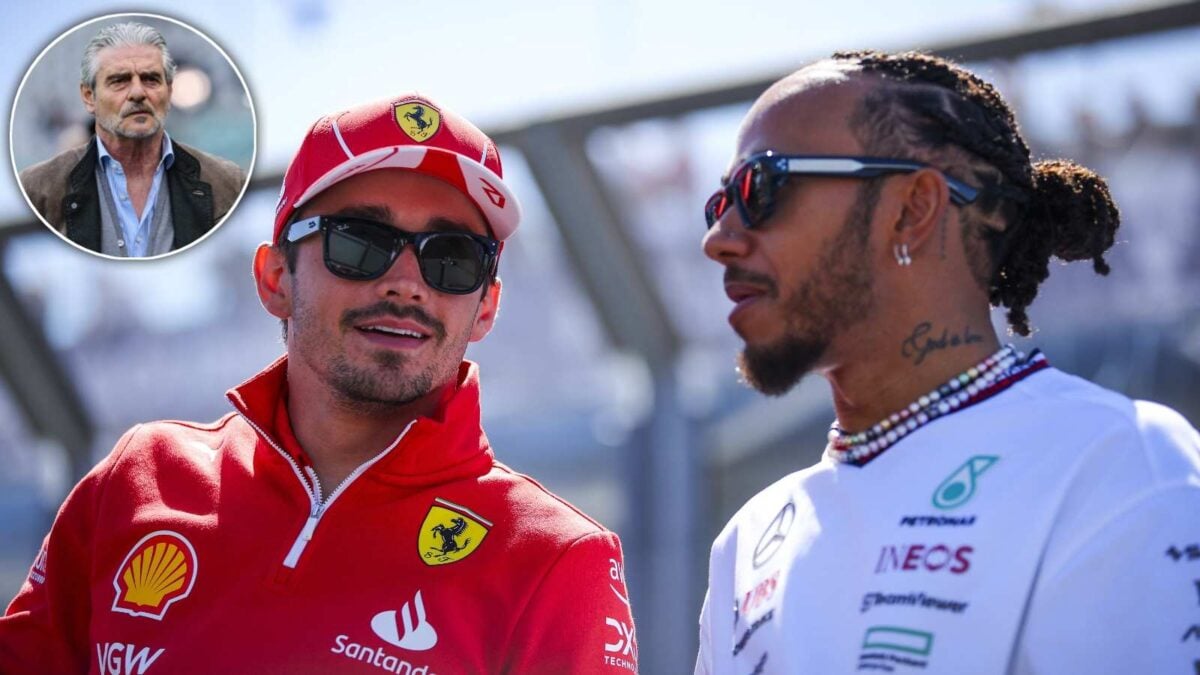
(980, 381)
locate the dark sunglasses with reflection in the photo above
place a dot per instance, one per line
(361, 249)
(754, 185)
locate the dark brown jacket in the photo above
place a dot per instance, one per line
(63, 190)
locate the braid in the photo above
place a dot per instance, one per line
(931, 108)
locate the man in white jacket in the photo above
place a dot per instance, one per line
(976, 510)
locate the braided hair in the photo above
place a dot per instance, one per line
(932, 109)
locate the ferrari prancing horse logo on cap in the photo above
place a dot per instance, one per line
(418, 120)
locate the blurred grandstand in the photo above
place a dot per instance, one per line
(610, 376)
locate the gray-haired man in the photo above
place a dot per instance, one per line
(131, 191)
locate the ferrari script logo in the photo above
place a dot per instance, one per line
(418, 120)
(450, 533)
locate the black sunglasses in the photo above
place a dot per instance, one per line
(754, 185)
(362, 249)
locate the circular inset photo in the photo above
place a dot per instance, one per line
(133, 136)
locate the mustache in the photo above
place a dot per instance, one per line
(385, 308)
(734, 274)
(135, 109)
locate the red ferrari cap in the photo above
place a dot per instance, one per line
(406, 132)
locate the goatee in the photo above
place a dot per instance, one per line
(774, 369)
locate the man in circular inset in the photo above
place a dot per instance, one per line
(131, 191)
(976, 510)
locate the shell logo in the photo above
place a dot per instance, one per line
(157, 572)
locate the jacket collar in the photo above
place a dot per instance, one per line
(447, 445)
(82, 175)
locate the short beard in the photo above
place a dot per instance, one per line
(836, 295)
(383, 387)
(775, 368)
(113, 126)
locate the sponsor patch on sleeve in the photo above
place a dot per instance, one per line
(158, 571)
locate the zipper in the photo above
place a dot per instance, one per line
(319, 504)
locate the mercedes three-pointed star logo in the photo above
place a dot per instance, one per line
(776, 532)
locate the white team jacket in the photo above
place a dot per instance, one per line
(1052, 528)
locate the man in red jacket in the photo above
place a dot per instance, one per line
(349, 516)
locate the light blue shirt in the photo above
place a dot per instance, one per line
(135, 229)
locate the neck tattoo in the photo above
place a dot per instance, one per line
(978, 382)
(922, 341)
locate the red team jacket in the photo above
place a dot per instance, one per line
(211, 548)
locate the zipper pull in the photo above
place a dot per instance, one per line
(306, 535)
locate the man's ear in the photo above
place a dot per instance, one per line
(925, 198)
(489, 306)
(272, 279)
(89, 98)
